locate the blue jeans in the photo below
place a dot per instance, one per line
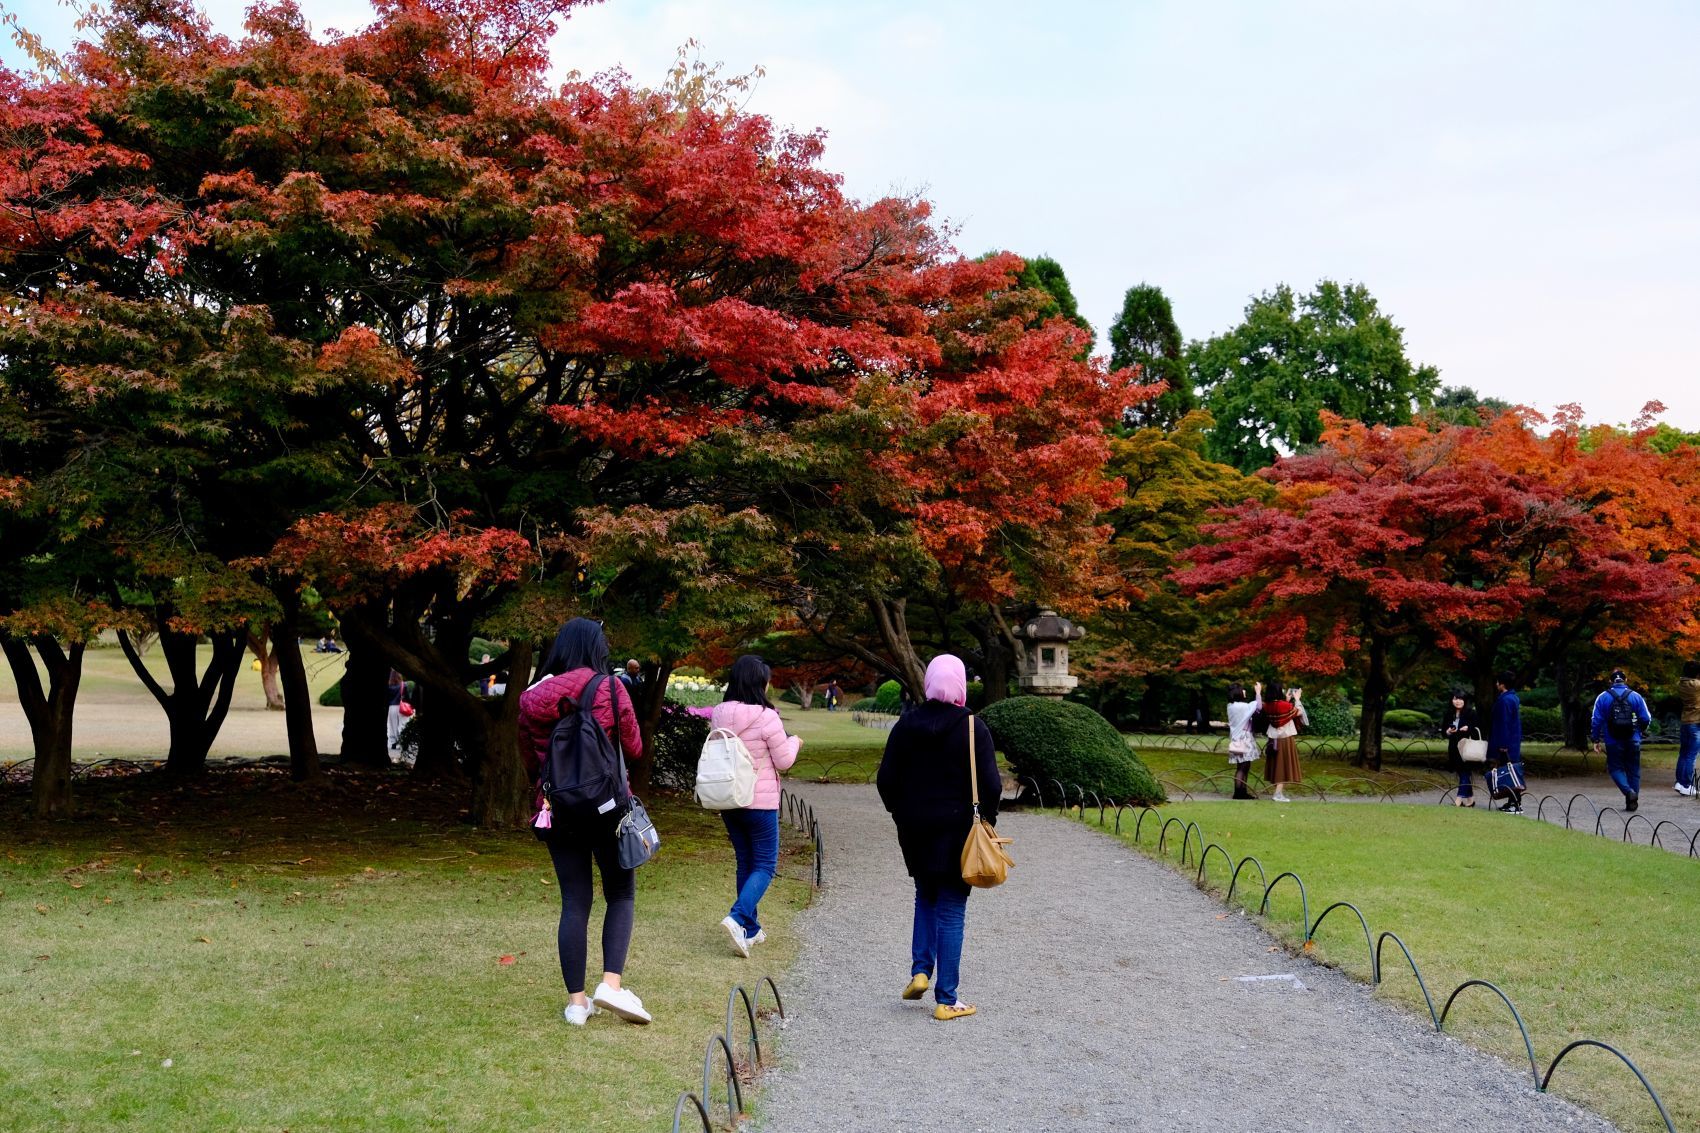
(941, 910)
(1623, 764)
(1690, 748)
(755, 843)
(1466, 780)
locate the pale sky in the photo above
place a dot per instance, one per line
(1518, 184)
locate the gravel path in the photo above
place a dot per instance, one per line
(1110, 997)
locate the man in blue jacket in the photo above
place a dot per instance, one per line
(1621, 719)
(1505, 742)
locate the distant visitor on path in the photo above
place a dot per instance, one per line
(1461, 725)
(1284, 718)
(1689, 691)
(1620, 720)
(754, 829)
(1242, 745)
(398, 693)
(1505, 746)
(578, 658)
(924, 783)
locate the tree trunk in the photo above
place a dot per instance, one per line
(365, 699)
(197, 703)
(650, 699)
(1576, 716)
(501, 797)
(298, 696)
(994, 661)
(889, 615)
(805, 691)
(1377, 688)
(49, 714)
(263, 643)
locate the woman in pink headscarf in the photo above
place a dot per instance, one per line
(924, 781)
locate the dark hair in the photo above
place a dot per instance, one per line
(1274, 692)
(1507, 678)
(1619, 675)
(747, 683)
(1237, 694)
(1460, 694)
(1690, 669)
(579, 645)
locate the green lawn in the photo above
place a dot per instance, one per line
(1590, 938)
(334, 960)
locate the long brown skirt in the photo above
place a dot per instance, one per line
(1284, 767)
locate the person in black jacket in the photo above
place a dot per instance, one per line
(924, 783)
(1461, 724)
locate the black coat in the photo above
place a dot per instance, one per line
(923, 781)
(1470, 721)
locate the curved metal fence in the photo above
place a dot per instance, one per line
(722, 1054)
(1608, 822)
(1373, 944)
(800, 816)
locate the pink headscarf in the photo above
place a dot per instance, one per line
(947, 680)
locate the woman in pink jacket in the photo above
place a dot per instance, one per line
(754, 829)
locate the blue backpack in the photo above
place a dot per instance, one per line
(584, 779)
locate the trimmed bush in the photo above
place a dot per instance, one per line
(866, 704)
(677, 743)
(1057, 739)
(1330, 715)
(889, 698)
(332, 697)
(1542, 721)
(1407, 720)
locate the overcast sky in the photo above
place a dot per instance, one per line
(1518, 184)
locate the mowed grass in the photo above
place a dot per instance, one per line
(1589, 938)
(333, 960)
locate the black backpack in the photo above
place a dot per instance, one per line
(584, 779)
(1623, 719)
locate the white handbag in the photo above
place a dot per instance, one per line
(1473, 750)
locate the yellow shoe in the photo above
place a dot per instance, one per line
(918, 985)
(947, 1011)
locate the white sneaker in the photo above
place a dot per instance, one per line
(1280, 798)
(740, 942)
(579, 1014)
(621, 1002)
(760, 937)
(1687, 791)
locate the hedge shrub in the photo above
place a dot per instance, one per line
(866, 704)
(332, 697)
(1057, 739)
(677, 743)
(1542, 721)
(1407, 720)
(889, 698)
(1330, 715)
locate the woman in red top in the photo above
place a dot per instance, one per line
(579, 655)
(1285, 716)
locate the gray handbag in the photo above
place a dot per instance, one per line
(636, 838)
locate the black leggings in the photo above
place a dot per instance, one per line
(619, 890)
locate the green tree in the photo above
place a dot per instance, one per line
(1045, 274)
(1461, 405)
(1268, 381)
(1144, 334)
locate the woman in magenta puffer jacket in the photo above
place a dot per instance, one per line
(754, 829)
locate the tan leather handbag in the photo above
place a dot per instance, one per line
(984, 862)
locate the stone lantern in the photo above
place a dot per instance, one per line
(1044, 667)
